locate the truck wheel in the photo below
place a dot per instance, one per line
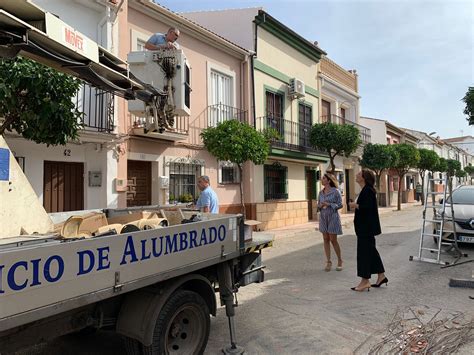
(182, 327)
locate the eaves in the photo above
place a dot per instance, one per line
(191, 28)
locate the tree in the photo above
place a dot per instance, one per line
(335, 139)
(441, 167)
(469, 101)
(469, 171)
(377, 157)
(407, 156)
(428, 161)
(238, 143)
(36, 102)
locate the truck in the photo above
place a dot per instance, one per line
(149, 273)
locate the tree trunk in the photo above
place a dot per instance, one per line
(6, 123)
(422, 188)
(377, 182)
(241, 185)
(399, 202)
(331, 163)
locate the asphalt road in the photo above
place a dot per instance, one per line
(301, 309)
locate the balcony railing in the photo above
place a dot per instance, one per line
(98, 108)
(180, 126)
(293, 135)
(363, 131)
(220, 113)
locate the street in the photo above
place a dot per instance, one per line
(302, 309)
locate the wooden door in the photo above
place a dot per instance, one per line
(139, 183)
(63, 186)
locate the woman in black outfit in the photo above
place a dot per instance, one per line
(367, 226)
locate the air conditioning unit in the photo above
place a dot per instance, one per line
(296, 88)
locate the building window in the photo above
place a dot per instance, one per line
(183, 180)
(305, 117)
(343, 112)
(274, 112)
(228, 173)
(275, 181)
(221, 87)
(140, 45)
(21, 162)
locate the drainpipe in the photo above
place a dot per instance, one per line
(252, 72)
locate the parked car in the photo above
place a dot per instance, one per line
(463, 206)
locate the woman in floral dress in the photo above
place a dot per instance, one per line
(329, 202)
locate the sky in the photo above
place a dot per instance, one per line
(415, 58)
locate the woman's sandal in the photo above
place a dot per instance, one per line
(328, 266)
(339, 267)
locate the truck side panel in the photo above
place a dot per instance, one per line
(55, 272)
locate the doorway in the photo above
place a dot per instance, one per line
(310, 191)
(63, 186)
(139, 183)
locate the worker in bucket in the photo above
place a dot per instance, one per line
(163, 41)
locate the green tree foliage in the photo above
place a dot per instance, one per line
(452, 169)
(335, 139)
(428, 161)
(469, 169)
(238, 142)
(460, 173)
(469, 101)
(442, 166)
(407, 157)
(377, 157)
(36, 102)
(452, 166)
(470, 172)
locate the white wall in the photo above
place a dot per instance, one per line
(378, 132)
(82, 18)
(235, 25)
(340, 97)
(93, 157)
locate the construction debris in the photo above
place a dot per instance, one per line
(425, 330)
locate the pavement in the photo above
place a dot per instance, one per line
(346, 221)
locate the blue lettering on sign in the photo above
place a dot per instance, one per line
(4, 164)
(22, 273)
(35, 272)
(152, 248)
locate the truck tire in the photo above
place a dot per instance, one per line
(182, 327)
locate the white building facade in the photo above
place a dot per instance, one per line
(79, 175)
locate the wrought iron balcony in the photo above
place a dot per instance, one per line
(98, 108)
(363, 131)
(294, 135)
(220, 113)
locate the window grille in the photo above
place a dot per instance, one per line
(183, 180)
(275, 176)
(228, 173)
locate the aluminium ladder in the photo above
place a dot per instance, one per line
(438, 220)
